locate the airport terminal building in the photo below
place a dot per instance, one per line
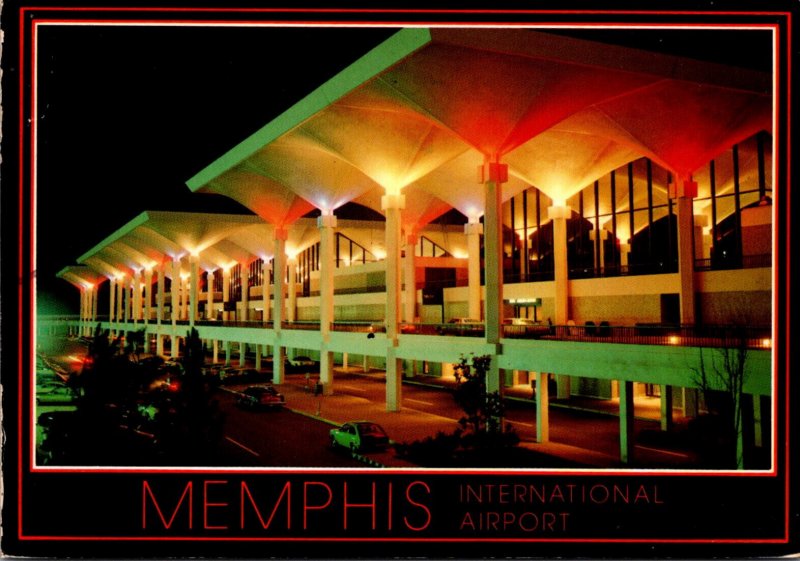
(589, 215)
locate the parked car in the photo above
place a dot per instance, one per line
(359, 435)
(260, 397)
(301, 363)
(462, 326)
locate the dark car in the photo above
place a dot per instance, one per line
(359, 435)
(301, 363)
(260, 397)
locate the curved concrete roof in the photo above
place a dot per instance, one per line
(419, 114)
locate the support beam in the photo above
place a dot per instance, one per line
(410, 279)
(278, 289)
(327, 224)
(473, 230)
(194, 280)
(392, 207)
(625, 421)
(542, 407)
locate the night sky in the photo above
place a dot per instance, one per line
(127, 114)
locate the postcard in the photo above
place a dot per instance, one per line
(317, 283)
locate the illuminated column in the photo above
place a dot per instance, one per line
(194, 279)
(542, 407)
(226, 292)
(392, 206)
(493, 176)
(666, 407)
(120, 302)
(82, 314)
(684, 197)
(137, 295)
(265, 289)
(127, 303)
(112, 302)
(245, 280)
(291, 308)
(278, 312)
(209, 294)
(326, 224)
(625, 421)
(410, 274)
(148, 294)
(160, 308)
(559, 214)
(175, 288)
(473, 231)
(185, 289)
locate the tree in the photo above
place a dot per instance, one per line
(722, 381)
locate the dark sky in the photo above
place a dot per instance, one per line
(127, 114)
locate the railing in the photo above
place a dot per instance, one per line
(720, 336)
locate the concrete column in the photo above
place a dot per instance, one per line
(112, 301)
(542, 407)
(265, 290)
(215, 350)
(227, 345)
(194, 280)
(326, 224)
(685, 214)
(94, 290)
(242, 354)
(258, 357)
(137, 295)
(148, 294)
(160, 308)
(120, 303)
(473, 231)
(690, 406)
(493, 174)
(278, 312)
(127, 303)
(392, 206)
(175, 289)
(245, 277)
(559, 214)
(410, 279)
(625, 421)
(185, 290)
(291, 307)
(226, 292)
(666, 407)
(209, 294)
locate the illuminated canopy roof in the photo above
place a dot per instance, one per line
(419, 113)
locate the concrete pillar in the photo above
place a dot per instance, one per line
(326, 224)
(120, 303)
(392, 206)
(690, 405)
(666, 407)
(242, 354)
(493, 175)
(175, 289)
(95, 290)
(185, 290)
(137, 295)
(160, 308)
(148, 298)
(542, 407)
(265, 290)
(112, 301)
(209, 294)
(227, 345)
(258, 357)
(226, 292)
(214, 350)
(194, 279)
(686, 192)
(291, 305)
(559, 215)
(127, 301)
(473, 231)
(245, 278)
(625, 421)
(410, 279)
(278, 312)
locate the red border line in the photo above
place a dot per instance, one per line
(36, 22)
